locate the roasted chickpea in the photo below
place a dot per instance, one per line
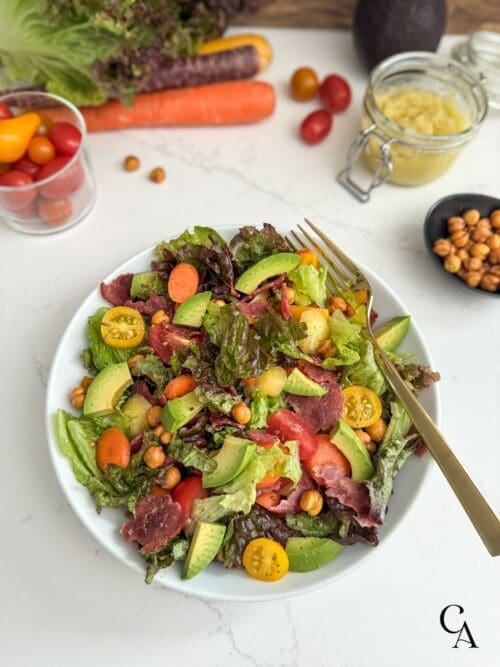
(480, 250)
(311, 502)
(472, 278)
(171, 478)
(349, 311)
(489, 282)
(154, 457)
(480, 235)
(459, 239)
(157, 175)
(160, 317)
(154, 416)
(338, 303)
(473, 264)
(452, 263)
(159, 430)
(166, 437)
(241, 413)
(493, 242)
(472, 216)
(495, 219)
(462, 254)
(131, 163)
(442, 247)
(455, 224)
(363, 436)
(377, 431)
(494, 256)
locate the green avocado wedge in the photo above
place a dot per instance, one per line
(300, 385)
(354, 450)
(206, 542)
(231, 459)
(391, 334)
(180, 411)
(266, 268)
(310, 553)
(191, 311)
(106, 389)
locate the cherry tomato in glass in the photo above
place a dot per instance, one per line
(316, 126)
(335, 93)
(45, 125)
(28, 212)
(41, 150)
(63, 185)
(5, 111)
(4, 168)
(187, 491)
(304, 84)
(15, 201)
(66, 138)
(54, 211)
(27, 165)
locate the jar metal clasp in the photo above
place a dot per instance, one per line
(382, 172)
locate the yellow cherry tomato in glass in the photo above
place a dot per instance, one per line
(265, 559)
(304, 84)
(15, 135)
(122, 327)
(362, 406)
(41, 150)
(45, 125)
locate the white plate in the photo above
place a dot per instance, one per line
(217, 582)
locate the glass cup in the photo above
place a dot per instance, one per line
(65, 197)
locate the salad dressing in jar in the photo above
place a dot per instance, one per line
(419, 110)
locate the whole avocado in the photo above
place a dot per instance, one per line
(382, 28)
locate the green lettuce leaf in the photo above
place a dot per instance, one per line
(323, 525)
(154, 369)
(277, 335)
(251, 245)
(365, 372)
(262, 406)
(99, 355)
(311, 282)
(190, 455)
(347, 338)
(176, 549)
(199, 236)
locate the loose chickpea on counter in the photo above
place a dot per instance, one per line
(472, 249)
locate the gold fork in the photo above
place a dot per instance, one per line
(345, 275)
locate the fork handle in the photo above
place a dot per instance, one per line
(482, 516)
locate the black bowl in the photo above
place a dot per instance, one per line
(435, 227)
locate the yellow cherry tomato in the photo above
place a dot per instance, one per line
(362, 406)
(265, 559)
(15, 135)
(122, 327)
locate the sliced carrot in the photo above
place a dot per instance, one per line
(183, 282)
(225, 103)
(267, 500)
(268, 481)
(308, 257)
(298, 310)
(113, 447)
(179, 386)
(327, 452)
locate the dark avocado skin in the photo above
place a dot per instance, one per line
(383, 28)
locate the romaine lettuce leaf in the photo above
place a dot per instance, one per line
(176, 549)
(347, 338)
(365, 372)
(153, 368)
(262, 406)
(251, 245)
(311, 281)
(190, 455)
(99, 355)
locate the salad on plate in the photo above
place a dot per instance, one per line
(232, 408)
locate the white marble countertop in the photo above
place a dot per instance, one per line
(63, 599)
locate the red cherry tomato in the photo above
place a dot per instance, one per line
(289, 426)
(26, 165)
(45, 125)
(28, 212)
(64, 184)
(335, 93)
(5, 111)
(41, 150)
(66, 138)
(187, 491)
(316, 126)
(15, 201)
(54, 211)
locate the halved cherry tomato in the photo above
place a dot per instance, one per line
(187, 491)
(265, 559)
(63, 185)
(289, 426)
(335, 93)
(304, 84)
(54, 211)
(316, 126)
(66, 138)
(362, 406)
(122, 327)
(16, 200)
(41, 150)
(27, 165)
(5, 111)
(327, 453)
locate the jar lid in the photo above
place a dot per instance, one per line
(481, 53)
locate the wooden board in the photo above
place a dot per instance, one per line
(463, 15)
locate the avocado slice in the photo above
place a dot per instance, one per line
(136, 409)
(299, 384)
(106, 389)
(180, 411)
(353, 449)
(266, 268)
(232, 458)
(191, 311)
(391, 334)
(206, 542)
(310, 553)
(144, 283)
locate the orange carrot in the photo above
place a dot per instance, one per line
(179, 386)
(183, 282)
(225, 103)
(268, 500)
(327, 453)
(112, 447)
(267, 481)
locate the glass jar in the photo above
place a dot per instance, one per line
(404, 156)
(481, 53)
(62, 199)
